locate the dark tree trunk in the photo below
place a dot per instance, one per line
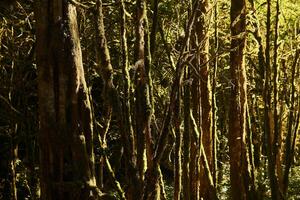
(187, 143)
(291, 131)
(65, 135)
(268, 115)
(143, 101)
(239, 162)
(178, 148)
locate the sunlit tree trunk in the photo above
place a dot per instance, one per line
(111, 103)
(128, 133)
(143, 101)
(254, 111)
(127, 85)
(239, 163)
(66, 132)
(205, 112)
(201, 99)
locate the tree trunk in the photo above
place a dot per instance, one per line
(178, 148)
(203, 108)
(257, 138)
(66, 132)
(143, 102)
(186, 144)
(213, 95)
(268, 120)
(239, 162)
(276, 143)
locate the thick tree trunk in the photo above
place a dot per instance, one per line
(239, 162)
(65, 136)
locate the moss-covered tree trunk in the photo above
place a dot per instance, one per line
(178, 148)
(239, 162)
(65, 120)
(204, 112)
(201, 103)
(143, 103)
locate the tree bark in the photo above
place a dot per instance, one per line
(187, 144)
(213, 95)
(143, 102)
(276, 143)
(239, 162)
(66, 132)
(268, 120)
(202, 107)
(178, 148)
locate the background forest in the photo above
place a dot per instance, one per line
(149, 99)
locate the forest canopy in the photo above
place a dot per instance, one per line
(149, 99)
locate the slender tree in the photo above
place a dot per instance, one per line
(213, 94)
(276, 143)
(291, 134)
(261, 66)
(268, 118)
(143, 102)
(204, 91)
(178, 148)
(113, 102)
(186, 143)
